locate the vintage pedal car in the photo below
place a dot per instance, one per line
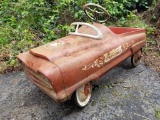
(67, 66)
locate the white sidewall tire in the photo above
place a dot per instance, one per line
(77, 96)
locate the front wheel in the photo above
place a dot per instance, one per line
(136, 58)
(83, 94)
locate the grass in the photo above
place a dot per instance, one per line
(157, 112)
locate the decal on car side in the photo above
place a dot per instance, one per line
(112, 54)
(108, 56)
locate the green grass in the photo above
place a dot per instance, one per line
(157, 112)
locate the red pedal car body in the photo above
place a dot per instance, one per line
(66, 66)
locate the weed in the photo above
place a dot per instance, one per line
(157, 112)
(104, 100)
(116, 93)
(93, 102)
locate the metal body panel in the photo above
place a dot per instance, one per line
(38, 69)
(72, 61)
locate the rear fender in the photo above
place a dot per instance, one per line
(137, 46)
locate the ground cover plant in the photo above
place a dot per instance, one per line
(25, 24)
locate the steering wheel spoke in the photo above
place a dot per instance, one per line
(90, 9)
(100, 13)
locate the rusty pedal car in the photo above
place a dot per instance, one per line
(66, 67)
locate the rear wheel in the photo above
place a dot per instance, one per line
(83, 94)
(136, 58)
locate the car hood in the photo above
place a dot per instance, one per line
(72, 45)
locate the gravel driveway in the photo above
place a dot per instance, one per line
(123, 94)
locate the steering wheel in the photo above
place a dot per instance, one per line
(96, 12)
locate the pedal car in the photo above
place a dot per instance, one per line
(66, 67)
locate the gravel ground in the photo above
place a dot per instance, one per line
(123, 94)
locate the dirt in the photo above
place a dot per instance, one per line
(6, 68)
(152, 50)
(152, 15)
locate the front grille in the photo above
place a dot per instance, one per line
(41, 81)
(39, 78)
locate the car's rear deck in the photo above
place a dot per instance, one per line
(124, 30)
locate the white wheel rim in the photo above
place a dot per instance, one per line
(81, 95)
